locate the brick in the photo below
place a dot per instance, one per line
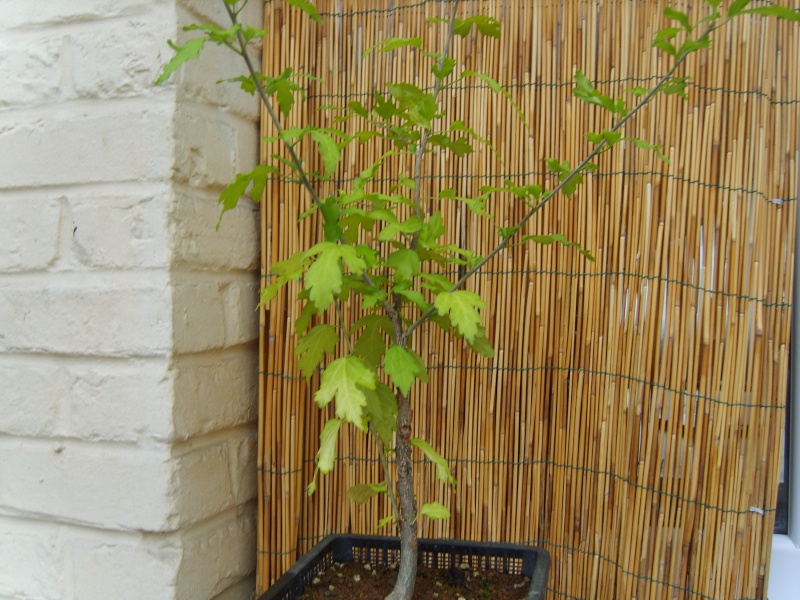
(109, 142)
(29, 70)
(109, 486)
(29, 232)
(132, 52)
(215, 391)
(127, 402)
(199, 246)
(205, 148)
(124, 567)
(31, 561)
(197, 315)
(106, 400)
(120, 231)
(214, 314)
(36, 13)
(243, 451)
(84, 314)
(240, 298)
(218, 555)
(204, 481)
(215, 476)
(32, 397)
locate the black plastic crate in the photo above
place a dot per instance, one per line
(527, 561)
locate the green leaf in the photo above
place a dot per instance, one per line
(345, 379)
(557, 167)
(308, 8)
(435, 510)
(381, 412)
(353, 259)
(507, 232)
(481, 345)
(328, 150)
(462, 308)
(421, 106)
(304, 320)
(358, 108)
(572, 183)
(584, 90)
(638, 90)
(331, 212)
(398, 42)
(560, 238)
(736, 7)
(704, 43)
(371, 344)
(324, 277)
(675, 87)
(188, 51)
(488, 26)
(326, 455)
(229, 197)
(362, 492)
(445, 68)
(436, 283)
(680, 17)
(405, 263)
(781, 12)
(312, 348)
(414, 296)
(713, 3)
(402, 367)
(385, 521)
(409, 226)
(654, 147)
(667, 33)
(432, 230)
(442, 469)
(665, 46)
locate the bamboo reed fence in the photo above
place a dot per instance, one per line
(631, 420)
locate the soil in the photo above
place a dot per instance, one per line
(357, 581)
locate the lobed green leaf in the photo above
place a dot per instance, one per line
(346, 379)
(313, 346)
(461, 306)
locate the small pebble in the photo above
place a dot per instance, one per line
(330, 587)
(356, 578)
(367, 567)
(463, 566)
(315, 581)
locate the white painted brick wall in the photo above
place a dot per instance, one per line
(128, 349)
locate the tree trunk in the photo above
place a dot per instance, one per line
(407, 573)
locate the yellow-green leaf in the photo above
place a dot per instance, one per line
(346, 379)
